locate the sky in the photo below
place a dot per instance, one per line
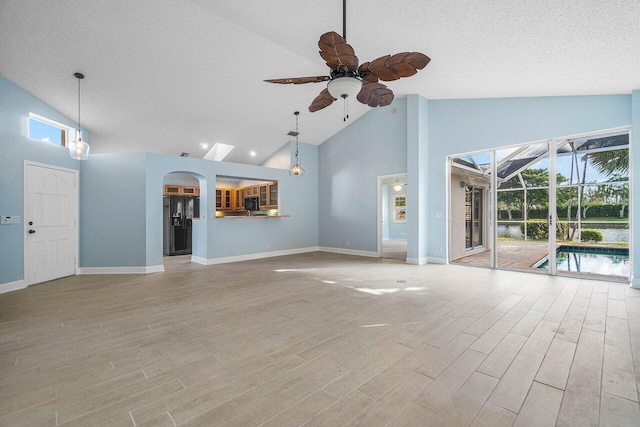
(44, 132)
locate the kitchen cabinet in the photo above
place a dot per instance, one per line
(228, 199)
(273, 195)
(171, 190)
(232, 199)
(190, 191)
(239, 199)
(179, 190)
(263, 196)
(219, 199)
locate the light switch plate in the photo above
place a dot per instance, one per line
(9, 219)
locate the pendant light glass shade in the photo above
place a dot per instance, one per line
(79, 149)
(296, 170)
(397, 187)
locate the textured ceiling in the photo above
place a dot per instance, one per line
(166, 75)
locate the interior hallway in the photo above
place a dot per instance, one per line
(321, 339)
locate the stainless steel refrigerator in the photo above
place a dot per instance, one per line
(178, 213)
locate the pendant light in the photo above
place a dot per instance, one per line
(296, 170)
(79, 149)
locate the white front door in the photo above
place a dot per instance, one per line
(50, 220)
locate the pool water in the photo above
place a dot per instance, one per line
(606, 261)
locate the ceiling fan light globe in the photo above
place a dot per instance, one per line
(296, 170)
(397, 187)
(349, 86)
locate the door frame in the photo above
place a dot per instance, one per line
(379, 210)
(75, 237)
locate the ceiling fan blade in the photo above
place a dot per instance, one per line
(375, 94)
(335, 50)
(300, 80)
(388, 68)
(323, 100)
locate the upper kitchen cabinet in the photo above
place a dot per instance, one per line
(273, 195)
(248, 196)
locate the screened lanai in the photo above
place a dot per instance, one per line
(590, 199)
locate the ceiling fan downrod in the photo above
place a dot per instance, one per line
(344, 19)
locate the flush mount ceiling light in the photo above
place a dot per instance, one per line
(252, 153)
(397, 186)
(78, 149)
(296, 170)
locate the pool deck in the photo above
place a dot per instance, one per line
(521, 256)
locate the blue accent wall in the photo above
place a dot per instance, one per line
(15, 106)
(113, 210)
(350, 162)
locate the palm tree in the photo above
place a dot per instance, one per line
(607, 163)
(610, 162)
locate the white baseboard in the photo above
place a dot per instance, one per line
(198, 260)
(12, 286)
(371, 254)
(417, 261)
(249, 257)
(121, 270)
(436, 260)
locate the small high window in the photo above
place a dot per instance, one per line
(43, 129)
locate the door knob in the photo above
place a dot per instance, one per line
(32, 231)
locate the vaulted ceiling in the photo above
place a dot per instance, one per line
(167, 75)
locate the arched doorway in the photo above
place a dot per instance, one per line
(181, 211)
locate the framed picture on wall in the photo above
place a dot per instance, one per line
(399, 208)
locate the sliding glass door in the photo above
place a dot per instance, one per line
(557, 207)
(474, 217)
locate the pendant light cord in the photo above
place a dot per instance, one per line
(78, 76)
(79, 105)
(297, 113)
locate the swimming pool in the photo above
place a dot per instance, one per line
(606, 261)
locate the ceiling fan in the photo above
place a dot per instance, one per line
(347, 79)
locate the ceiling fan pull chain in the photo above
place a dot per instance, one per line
(344, 109)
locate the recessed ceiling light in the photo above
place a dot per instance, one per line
(253, 153)
(204, 145)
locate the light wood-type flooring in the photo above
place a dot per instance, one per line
(320, 339)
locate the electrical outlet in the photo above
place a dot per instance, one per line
(439, 250)
(268, 245)
(347, 243)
